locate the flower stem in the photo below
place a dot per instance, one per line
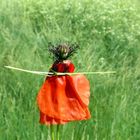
(52, 132)
(58, 132)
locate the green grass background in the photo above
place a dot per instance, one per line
(108, 32)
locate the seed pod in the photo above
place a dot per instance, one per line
(63, 51)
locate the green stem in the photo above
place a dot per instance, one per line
(52, 132)
(58, 132)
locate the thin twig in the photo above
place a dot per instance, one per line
(58, 73)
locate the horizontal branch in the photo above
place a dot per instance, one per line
(58, 73)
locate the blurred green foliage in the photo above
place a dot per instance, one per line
(108, 33)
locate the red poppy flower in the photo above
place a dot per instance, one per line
(64, 98)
